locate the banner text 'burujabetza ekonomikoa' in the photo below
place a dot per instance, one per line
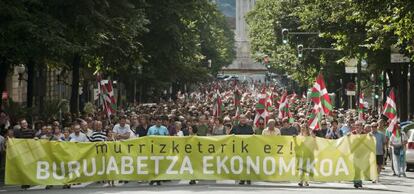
(39, 162)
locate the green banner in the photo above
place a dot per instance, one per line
(40, 162)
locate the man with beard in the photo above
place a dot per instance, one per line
(243, 129)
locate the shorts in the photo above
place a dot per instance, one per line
(380, 160)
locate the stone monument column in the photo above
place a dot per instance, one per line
(244, 65)
(242, 40)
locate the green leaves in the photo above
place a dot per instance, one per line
(344, 25)
(172, 40)
(183, 36)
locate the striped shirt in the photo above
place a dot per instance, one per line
(97, 136)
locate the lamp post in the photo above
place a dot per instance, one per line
(362, 64)
(140, 85)
(21, 69)
(135, 91)
(60, 71)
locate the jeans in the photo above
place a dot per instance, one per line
(399, 162)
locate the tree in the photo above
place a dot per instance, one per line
(356, 29)
(103, 36)
(266, 22)
(182, 36)
(28, 36)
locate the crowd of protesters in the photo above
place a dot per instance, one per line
(191, 114)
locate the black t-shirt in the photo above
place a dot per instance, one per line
(185, 132)
(25, 134)
(289, 131)
(141, 131)
(242, 130)
(321, 133)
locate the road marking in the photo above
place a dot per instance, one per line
(82, 185)
(38, 187)
(293, 185)
(184, 182)
(225, 182)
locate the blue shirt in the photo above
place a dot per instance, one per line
(380, 141)
(154, 130)
(344, 130)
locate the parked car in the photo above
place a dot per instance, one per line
(222, 77)
(409, 153)
(232, 78)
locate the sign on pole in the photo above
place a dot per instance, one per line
(351, 70)
(351, 65)
(397, 57)
(350, 93)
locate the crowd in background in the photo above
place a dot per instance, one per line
(191, 114)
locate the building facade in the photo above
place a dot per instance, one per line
(244, 65)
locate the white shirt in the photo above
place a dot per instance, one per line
(180, 133)
(268, 132)
(121, 130)
(78, 138)
(396, 141)
(89, 132)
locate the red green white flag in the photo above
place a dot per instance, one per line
(218, 104)
(320, 95)
(361, 107)
(283, 106)
(237, 101)
(314, 118)
(262, 107)
(390, 111)
(106, 95)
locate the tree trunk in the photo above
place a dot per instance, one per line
(403, 92)
(30, 79)
(411, 90)
(42, 87)
(345, 98)
(84, 98)
(74, 98)
(3, 77)
(384, 87)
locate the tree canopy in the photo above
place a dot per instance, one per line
(354, 28)
(169, 41)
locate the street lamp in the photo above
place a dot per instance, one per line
(140, 85)
(300, 50)
(21, 69)
(364, 64)
(285, 34)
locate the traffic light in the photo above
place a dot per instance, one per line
(300, 50)
(285, 34)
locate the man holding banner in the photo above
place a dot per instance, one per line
(243, 129)
(157, 130)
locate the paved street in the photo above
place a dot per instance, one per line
(388, 184)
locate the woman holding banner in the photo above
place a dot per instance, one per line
(304, 132)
